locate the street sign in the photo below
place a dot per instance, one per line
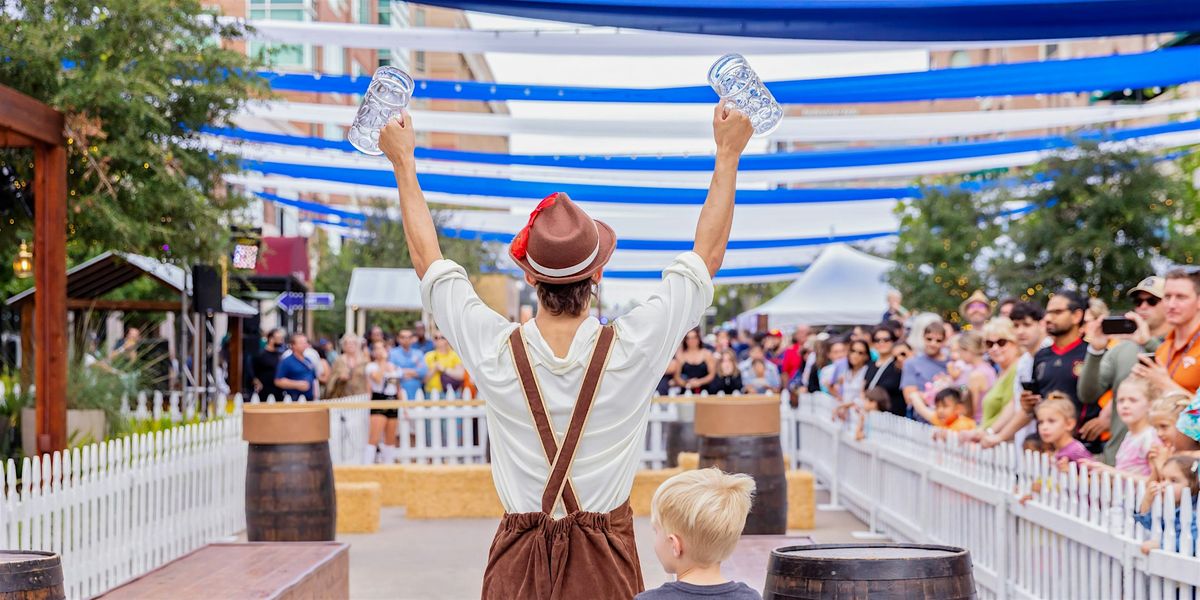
(294, 301)
(320, 301)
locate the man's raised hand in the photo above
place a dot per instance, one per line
(398, 141)
(731, 129)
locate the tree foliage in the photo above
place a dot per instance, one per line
(942, 237)
(137, 81)
(384, 245)
(1100, 220)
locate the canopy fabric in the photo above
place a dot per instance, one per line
(1136, 71)
(576, 41)
(955, 20)
(858, 128)
(843, 286)
(384, 289)
(778, 161)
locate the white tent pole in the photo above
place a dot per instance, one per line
(349, 319)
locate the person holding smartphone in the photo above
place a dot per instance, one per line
(1111, 356)
(1177, 360)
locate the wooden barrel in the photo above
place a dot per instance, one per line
(875, 571)
(680, 437)
(30, 575)
(289, 475)
(741, 435)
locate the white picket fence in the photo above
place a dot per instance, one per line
(1074, 538)
(118, 509)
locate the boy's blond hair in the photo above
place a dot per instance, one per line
(706, 508)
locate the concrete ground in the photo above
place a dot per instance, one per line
(444, 559)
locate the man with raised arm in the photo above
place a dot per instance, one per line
(567, 399)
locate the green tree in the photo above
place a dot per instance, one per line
(137, 80)
(385, 245)
(942, 236)
(1100, 220)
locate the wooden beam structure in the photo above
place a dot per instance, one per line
(124, 305)
(25, 121)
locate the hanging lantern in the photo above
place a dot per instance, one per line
(23, 263)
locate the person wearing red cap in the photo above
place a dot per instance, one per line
(567, 399)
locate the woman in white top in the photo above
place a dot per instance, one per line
(848, 388)
(381, 378)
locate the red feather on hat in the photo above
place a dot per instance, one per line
(520, 243)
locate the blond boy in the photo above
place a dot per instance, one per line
(698, 517)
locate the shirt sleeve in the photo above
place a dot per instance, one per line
(658, 324)
(471, 327)
(419, 364)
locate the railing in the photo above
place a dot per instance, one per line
(1072, 535)
(118, 509)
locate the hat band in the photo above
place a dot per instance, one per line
(567, 271)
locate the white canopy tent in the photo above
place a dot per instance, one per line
(380, 289)
(843, 286)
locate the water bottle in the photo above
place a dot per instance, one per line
(388, 94)
(733, 79)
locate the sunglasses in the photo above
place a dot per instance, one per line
(1001, 343)
(884, 340)
(1140, 300)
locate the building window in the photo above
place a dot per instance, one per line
(385, 12)
(420, 17)
(1051, 51)
(282, 55)
(419, 59)
(385, 58)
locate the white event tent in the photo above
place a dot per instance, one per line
(380, 289)
(843, 286)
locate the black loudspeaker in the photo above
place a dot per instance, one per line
(206, 289)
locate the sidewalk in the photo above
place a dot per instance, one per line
(444, 559)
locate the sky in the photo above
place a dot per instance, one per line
(649, 71)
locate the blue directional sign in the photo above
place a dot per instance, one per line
(294, 301)
(320, 300)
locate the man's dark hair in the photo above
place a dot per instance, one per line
(1026, 310)
(936, 327)
(1192, 275)
(1009, 300)
(1075, 300)
(571, 299)
(876, 330)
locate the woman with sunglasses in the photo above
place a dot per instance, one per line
(885, 371)
(1000, 341)
(849, 386)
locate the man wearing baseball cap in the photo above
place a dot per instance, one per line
(567, 399)
(1110, 358)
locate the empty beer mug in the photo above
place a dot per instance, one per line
(733, 79)
(388, 94)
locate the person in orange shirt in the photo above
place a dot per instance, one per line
(949, 410)
(1176, 363)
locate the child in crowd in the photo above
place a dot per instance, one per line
(698, 517)
(875, 399)
(1133, 406)
(1055, 422)
(1178, 472)
(950, 410)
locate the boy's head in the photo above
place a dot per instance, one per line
(1033, 443)
(951, 403)
(877, 399)
(698, 517)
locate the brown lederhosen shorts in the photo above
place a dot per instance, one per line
(582, 555)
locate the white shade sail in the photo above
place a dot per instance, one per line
(384, 289)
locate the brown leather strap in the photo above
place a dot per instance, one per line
(559, 483)
(561, 470)
(537, 409)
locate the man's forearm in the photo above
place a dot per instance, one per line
(716, 217)
(419, 229)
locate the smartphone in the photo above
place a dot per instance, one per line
(1117, 326)
(1029, 386)
(1147, 357)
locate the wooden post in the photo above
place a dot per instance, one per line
(50, 315)
(235, 354)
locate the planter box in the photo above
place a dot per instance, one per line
(83, 423)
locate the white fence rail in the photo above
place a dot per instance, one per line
(118, 509)
(1033, 530)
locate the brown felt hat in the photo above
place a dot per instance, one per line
(561, 243)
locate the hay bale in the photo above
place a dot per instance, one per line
(802, 501)
(451, 491)
(391, 480)
(358, 506)
(645, 482)
(689, 461)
